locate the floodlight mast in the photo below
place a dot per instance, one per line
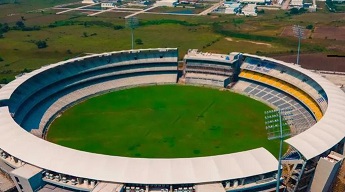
(132, 23)
(132, 31)
(299, 33)
(274, 120)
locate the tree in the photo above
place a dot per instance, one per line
(139, 42)
(4, 81)
(261, 11)
(294, 11)
(118, 27)
(20, 24)
(310, 27)
(4, 28)
(25, 70)
(41, 44)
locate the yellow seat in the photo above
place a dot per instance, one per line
(286, 87)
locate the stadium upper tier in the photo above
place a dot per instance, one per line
(31, 101)
(312, 88)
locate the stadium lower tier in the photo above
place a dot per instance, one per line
(65, 100)
(301, 119)
(286, 87)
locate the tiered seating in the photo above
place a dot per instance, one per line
(206, 72)
(34, 114)
(302, 119)
(288, 75)
(30, 100)
(78, 66)
(258, 65)
(209, 68)
(64, 99)
(205, 79)
(286, 87)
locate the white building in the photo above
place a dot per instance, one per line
(296, 3)
(249, 10)
(167, 3)
(256, 1)
(108, 5)
(338, 1)
(89, 1)
(231, 8)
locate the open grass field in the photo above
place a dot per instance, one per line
(64, 34)
(166, 121)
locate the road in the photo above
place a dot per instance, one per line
(103, 11)
(285, 5)
(142, 11)
(213, 7)
(77, 8)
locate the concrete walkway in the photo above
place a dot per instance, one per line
(103, 11)
(213, 7)
(77, 8)
(142, 11)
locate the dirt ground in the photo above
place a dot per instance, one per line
(325, 32)
(317, 61)
(288, 31)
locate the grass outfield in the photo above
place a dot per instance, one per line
(164, 121)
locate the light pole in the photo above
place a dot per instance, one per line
(278, 127)
(299, 33)
(132, 23)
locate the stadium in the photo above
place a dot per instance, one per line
(29, 104)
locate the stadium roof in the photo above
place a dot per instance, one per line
(327, 132)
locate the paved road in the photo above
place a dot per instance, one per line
(103, 11)
(285, 5)
(77, 8)
(213, 7)
(142, 11)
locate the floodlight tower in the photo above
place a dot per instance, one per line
(132, 23)
(299, 33)
(277, 125)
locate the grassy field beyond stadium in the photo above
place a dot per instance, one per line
(166, 121)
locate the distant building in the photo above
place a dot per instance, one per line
(338, 1)
(108, 5)
(256, 1)
(167, 3)
(296, 3)
(231, 8)
(188, 1)
(249, 10)
(89, 1)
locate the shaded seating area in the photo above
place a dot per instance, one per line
(286, 87)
